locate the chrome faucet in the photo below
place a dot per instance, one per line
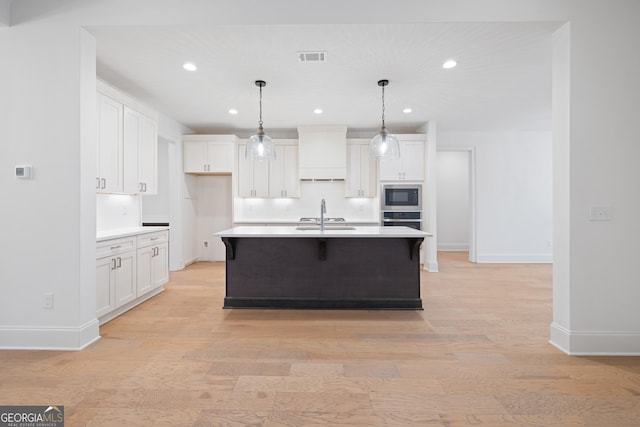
(323, 210)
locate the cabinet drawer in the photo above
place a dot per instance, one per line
(114, 246)
(148, 239)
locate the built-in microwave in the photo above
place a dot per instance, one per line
(401, 197)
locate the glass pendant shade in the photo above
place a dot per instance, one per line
(384, 145)
(260, 146)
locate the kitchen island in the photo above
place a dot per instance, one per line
(335, 268)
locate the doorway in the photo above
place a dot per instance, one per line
(456, 200)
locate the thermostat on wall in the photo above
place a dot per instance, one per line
(23, 171)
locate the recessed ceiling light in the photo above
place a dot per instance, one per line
(449, 64)
(407, 110)
(189, 66)
(317, 111)
(233, 111)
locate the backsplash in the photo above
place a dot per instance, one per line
(116, 211)
(308, 205)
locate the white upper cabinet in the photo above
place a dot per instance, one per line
(140, 153)
(361, 170)
(253, 175)
(127, 154)
(208, 154)
(269, 178)
(283, 172)
(410, 165)
(110, 145)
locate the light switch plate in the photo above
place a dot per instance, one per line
(600, 213)
(23, 171)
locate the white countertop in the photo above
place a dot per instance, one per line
(361, 231)
(126, 232)
(297, 220)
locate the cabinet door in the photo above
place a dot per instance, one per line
(253, 176)
(160, 265)
(353, 184)
(131, 141)
(195, 156)
(110, 116)
(412, 155)
(277, 171)
(105, 291)
(220, 157)
(390, 169)
(125, 281)
(291, 181)
(144, 276)
(367, 173)
(245, 174)
(148, 156)
(283, 172)
(361, 172)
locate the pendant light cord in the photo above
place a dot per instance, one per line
(260, 122)
(383, 107)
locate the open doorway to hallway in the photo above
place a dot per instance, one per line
(455, 201)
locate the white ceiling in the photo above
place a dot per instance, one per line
(502, 81)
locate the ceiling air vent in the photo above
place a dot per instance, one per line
(312, 56)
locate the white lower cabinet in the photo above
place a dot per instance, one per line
(128, 271)
(153, 262)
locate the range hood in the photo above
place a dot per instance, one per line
(322, 152)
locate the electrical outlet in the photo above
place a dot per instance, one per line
(206, 244)
(48, 300)
(600, 213)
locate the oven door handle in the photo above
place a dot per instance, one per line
(401, 220)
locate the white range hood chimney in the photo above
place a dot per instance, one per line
(322, 152)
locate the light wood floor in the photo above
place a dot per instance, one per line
(477, 355)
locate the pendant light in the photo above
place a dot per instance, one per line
(384, 144)
(260, 146)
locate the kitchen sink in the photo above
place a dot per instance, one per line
(326, 227)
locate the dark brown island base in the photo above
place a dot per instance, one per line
(285, 267)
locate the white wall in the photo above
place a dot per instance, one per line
(50, 228)
(189, 204)
(601, 143)
(453, 200)
(514, 193)
(214, 213)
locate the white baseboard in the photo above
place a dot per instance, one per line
(514, 258)
(453, 247)
(49, 338)
(128, 306)
(588, 343)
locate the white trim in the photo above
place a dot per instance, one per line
(128, 306)
(595, 343)
(453, 247)
(49, 338)
(515, 258)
